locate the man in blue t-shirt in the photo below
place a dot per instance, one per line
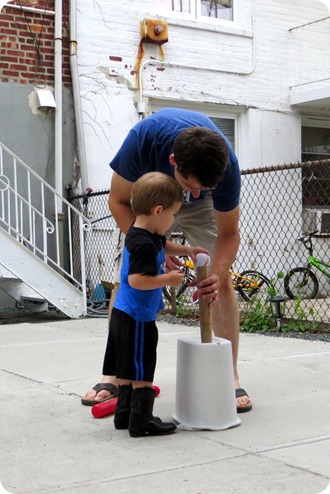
(188, 146)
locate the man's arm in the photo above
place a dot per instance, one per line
(224, 254)
(119, 202)
(227, 242)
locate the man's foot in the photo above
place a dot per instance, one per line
(243, 402)
(103, 391)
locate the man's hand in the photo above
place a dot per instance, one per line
(208, 288)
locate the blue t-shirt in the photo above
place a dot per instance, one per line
(149, 145)
(143, 254)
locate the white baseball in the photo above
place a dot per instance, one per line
(202, 259)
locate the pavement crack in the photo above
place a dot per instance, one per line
(43, 383)
(293, 444)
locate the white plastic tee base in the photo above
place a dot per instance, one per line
(205, 388)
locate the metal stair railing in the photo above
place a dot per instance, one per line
(39, 218)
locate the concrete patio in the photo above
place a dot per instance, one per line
(51, 443)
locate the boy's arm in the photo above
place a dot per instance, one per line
(148, 282)
(174, 249)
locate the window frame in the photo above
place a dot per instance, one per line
(317, 124)
(195, 7)
(199, 16)
(241, 25)
(212, 111)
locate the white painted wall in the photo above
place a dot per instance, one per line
(108, 41)
(246, 68)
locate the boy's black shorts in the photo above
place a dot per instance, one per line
(132, 348)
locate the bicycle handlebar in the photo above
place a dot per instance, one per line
(308, 236)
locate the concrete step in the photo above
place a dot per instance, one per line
(35, 304)
(29, 277)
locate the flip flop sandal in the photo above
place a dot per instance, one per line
(239, 392)
(99, 387)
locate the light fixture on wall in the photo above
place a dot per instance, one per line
(154, 31)
(45, 99)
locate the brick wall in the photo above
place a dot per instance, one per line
(27, 43)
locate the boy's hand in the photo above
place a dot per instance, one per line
(175, 278)
(193, 251)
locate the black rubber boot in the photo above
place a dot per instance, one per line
(141, 421)
(123, 407)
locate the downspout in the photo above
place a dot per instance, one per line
(58, 213)
(58, 99)
(76, 97)
(29, 9)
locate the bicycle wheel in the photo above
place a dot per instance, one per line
(301, 282)
(252, 285)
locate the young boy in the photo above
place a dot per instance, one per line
(133, 335)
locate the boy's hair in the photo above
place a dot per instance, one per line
(203, 153)
(153, 189)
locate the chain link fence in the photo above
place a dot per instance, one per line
(278, 205)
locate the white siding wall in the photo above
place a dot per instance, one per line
(108, 41)
(247, 70)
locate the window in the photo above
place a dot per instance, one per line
(197, 9)
(225, 121)
(227, 127)
(217, 9)
(316, 178)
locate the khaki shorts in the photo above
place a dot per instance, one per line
(195, 220)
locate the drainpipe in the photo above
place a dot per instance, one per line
(58, 214)
(76, 97)
(29, 9)
(58, 99)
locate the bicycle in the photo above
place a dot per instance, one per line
(250, 284)
(302, 281)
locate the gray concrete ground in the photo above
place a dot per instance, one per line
(51, 443)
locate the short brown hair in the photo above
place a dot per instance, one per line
(153, 189)
(203, 153)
